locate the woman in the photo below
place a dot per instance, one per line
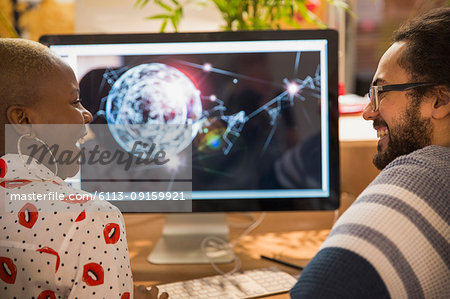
(55, 241)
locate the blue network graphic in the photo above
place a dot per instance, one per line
(181, 101)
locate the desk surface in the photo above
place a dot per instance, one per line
(291, 236)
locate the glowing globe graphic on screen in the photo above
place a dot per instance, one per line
(155, 104)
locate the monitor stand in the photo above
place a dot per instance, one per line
(182, 237)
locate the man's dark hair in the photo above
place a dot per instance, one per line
(427, 55)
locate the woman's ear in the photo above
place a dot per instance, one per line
(17, 116)
(441, 103)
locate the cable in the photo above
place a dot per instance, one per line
(243, 225)
(220, 246)
(249, 229)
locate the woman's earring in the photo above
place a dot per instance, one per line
(29, 135)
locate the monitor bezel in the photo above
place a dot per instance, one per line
(331, 202)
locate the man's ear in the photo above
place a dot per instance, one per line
(441, 103)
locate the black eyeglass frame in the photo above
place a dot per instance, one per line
(375, 90)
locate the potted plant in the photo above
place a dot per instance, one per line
(247, 14)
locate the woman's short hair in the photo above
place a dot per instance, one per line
(23, 63)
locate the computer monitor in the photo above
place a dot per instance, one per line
(259, 108)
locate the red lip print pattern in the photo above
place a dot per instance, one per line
(51, 251)
(14, 183)
(8, 270)
(28, 215)
(81, 217)
(93, 274)
(125, 295)
(3, 168)
(47, 295)
(111, 233)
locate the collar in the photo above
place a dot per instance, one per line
(13, 168)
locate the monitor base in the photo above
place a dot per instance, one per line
(183, 235)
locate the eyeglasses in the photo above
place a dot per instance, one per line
(376, 90)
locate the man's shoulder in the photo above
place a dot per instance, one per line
(433, 156)
(421, 170)
(401, 214)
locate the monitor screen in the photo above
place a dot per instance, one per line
(258, 109)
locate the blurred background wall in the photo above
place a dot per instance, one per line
(363, 39)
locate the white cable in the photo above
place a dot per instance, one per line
(221, 245)
(249, 229)
(244, 225)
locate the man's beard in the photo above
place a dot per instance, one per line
(413, 134)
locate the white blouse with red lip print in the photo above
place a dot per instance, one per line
(56, 241)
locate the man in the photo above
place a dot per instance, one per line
(394, 240)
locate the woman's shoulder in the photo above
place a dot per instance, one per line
(22, 191)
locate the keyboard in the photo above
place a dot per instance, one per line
(247, 284)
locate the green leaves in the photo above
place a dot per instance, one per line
(245, 14)
(141, 3)
(344, 5)
(173, 8)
